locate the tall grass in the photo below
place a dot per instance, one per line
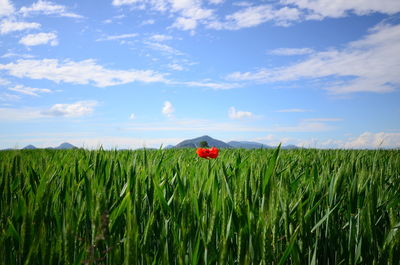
(170, 207)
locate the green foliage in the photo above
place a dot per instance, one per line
(170, 207)
(203, 144)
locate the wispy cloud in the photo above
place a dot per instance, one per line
(39, 39)
(7, 26)
(216, 2)
(291, 51)
(118, 37)
(4, 82)
(82, 72)
(11, 54)
(176, 67)
(47, 8)
(374, 140)
(67, 110)
(160, 37)
(320, 9)
(210, 126)
(124, 2)
(238, 114)
(189, 14)
(366, 140)
(163, 48)
(7, 97)
(372, 62)
(30, 91)
(207, 84)
(255, 15)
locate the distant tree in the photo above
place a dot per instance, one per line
(203, 144)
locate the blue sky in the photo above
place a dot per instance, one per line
(134, 73)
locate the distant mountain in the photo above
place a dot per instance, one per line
(247, 145)
(30, 147)
(66, 146)
(193, 143)
(290, 146)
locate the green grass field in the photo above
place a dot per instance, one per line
(171, 207)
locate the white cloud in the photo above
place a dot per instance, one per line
(326, 8)
(168, 109)
(255, 15)
(118, 37)
(366, 140)
(114, 18)
(83, 72)
(132, 116)
(11, 54)
(176, 67)
(125, 2)
(238, 114)
(160, 37)
(47, 8)
(291, 51)
(216, 2)
(7, 26)
(30, 91)
(374, 140)
(242, 4)
(6, 8)
(190, 15)
(39, 39)
(163, 48)
(185, 23)
(213, 85)
(189, 12)
(372, 64)
(77, 109)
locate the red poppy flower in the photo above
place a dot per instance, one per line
(213, 152)
(207, 153)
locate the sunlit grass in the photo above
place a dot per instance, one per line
(171, 207)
